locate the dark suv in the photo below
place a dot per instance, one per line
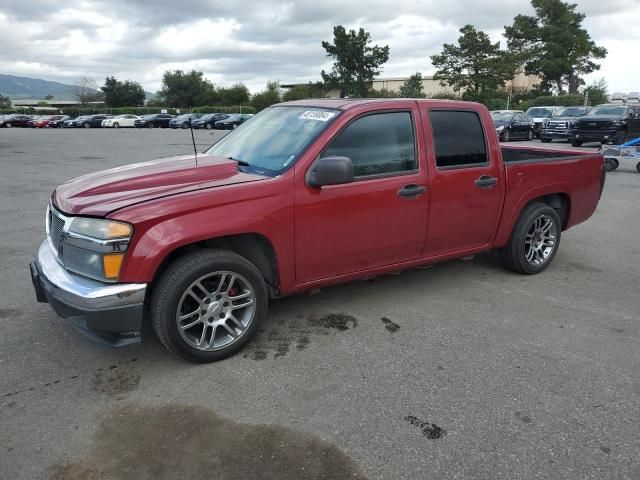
(560, 126)
(607, 123)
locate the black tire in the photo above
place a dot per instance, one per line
(638, 167)
(86, 125)
(611, 164)
(530, 137)
(513, 254)
(185, 125)
(8, 125)
(116, 125)
(170, 287)
(209, 127)
(545, 140)
(506, 135)
(576, 143)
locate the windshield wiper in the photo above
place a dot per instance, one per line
(240, 162)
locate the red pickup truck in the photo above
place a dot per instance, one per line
(303, 195)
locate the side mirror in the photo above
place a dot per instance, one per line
(330, 171)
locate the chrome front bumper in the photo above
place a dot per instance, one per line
(108, 313)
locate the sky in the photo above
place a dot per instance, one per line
(252, 41)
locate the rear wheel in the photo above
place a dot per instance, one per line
(576, 143)
(534, 241)
(506, 135)
(611, 164)
(9, 125)
(208, 304)
(208, 126)
(116, 125)
(185, 125)
(234, 126)
(638, 167)
(86, 125)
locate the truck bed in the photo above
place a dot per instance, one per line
(514, 154)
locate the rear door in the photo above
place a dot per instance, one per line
(380, 218)
(467, 182)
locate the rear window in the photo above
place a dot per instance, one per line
(458, 138)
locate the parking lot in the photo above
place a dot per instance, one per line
(463, 370)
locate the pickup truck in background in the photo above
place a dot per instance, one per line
(561, 126)
(609, 123)
(303, 195)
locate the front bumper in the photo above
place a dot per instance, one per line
(107, 313)
(596, 136)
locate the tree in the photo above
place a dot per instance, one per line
(5, 102)
(413, 88)
(554, 45)
(237, 94)
(475, 64)
(382, 93)
(86, 90)
(122, 94)
(267, 97)
(190, 89)
(597, 92)
(300, 92)
(356, 63)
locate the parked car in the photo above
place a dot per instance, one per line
(155, 120)
(15, 120)
(512, 125)
(92, 121)
(125, 120)
(561, 126)
(633, 97)
(608, 123)
(302, 197)
(182, 121)
(74, 122)
(208, 121)
(540, 115)
(232, 121)
(58, 121)
(618, 97)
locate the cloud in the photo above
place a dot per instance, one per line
(255, 41)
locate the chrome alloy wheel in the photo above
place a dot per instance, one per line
(540, 240)
(216, 310)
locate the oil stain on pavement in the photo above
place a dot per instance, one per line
(115, 380)
(390, 325)
(187, 442)
(428, 429)
(277, 339)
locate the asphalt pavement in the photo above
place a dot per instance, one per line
(460, 371)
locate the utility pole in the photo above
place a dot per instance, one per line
(586, 98)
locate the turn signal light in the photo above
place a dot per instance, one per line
(112, 263)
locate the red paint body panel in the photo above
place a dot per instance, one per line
(341, 232)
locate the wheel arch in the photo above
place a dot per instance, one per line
(255, 247)
(560, 201)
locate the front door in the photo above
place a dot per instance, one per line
(467, 183)
(380, 218)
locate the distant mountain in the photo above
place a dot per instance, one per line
(25, 87)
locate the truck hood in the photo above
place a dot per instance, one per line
(600, 118)
(97, 194)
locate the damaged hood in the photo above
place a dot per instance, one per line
(99, 193)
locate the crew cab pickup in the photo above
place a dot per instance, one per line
(303, 195)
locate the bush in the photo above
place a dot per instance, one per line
(568, 100)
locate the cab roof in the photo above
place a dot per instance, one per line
(347, 103)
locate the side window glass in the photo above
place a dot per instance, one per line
(377, 144)
(458, 138)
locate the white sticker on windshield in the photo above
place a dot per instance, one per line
(317, 115)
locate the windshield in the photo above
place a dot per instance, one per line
(572, 112)
(272, 140)
(540, 112)
(612, 110)
(502, 116)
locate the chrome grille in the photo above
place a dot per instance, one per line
(55, 229)
(558, 125)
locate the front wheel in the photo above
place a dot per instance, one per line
(534, 241)
(576, 143)
(638, 167)
(208, 126)
(530, 137)
(116, 125)
(86, 125)
(506, 135)
(9, 125)
(208, 304)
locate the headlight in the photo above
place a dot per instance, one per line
(500, 128)
(100, 229)
(95, 247)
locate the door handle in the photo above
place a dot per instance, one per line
(485, 181)
(412, 190)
